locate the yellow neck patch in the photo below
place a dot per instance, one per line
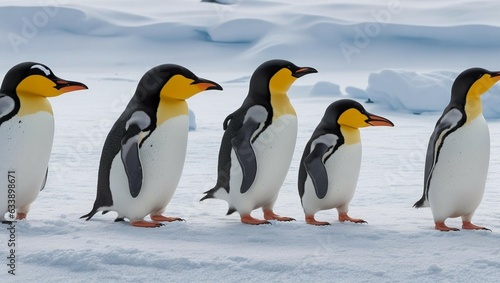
(32, 93)
(179, 87)
(31, 104)
(353, 118)
(37, 85)
(278, 86)
(169, 108)
(473, 108)
(473, 105)
(281, 105)
(281, 81)
(351, 135)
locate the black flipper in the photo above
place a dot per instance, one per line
(448, 123)
(131, 159)
(316, 169)
(242, 146)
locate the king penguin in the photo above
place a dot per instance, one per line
(458, 153)
(27, 133)
(144, 152)
(330, 165)
(258, 143)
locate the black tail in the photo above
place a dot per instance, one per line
(420, 202)
(231, 210)
(90, 214)
(208, 194)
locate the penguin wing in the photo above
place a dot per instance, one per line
(447, 124)
(7, 105)
(242, 144)
(130, 144)
(44, 180)
(314, 162)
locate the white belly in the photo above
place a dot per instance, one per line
(343, 171)
(162, 156)
(459, 177)
(25, 146)
(274, 151)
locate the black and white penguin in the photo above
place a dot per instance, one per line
(458, 154)
(258, 143)
(329, 168)
(143, 155)
(27, 132)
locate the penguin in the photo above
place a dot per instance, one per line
(330, 164)
(27, 133)
(458, 153)
(258, 144)
(143, 155)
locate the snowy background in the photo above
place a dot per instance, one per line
(403, 55)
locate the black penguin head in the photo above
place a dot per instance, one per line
(171, 81)
(472, 83)
(346, 112)
(276, 76)
(30, 78)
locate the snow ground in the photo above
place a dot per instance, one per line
(109, 44)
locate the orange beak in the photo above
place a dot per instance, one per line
(67, 86)
(375, 120)
(496, 77)
(204, 84)
(304, 71)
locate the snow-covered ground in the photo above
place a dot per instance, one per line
(401, 54)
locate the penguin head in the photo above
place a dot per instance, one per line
(350, 113)
(472, 83)
(276, 76)
(36, 79)
(172, 82)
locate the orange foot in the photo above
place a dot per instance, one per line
(21, 216)
(145, 224)
(469, 226)
(248, 219)
(343, 217)
(162, 218)
(270, 215)
(442, 227)
(310, 220)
